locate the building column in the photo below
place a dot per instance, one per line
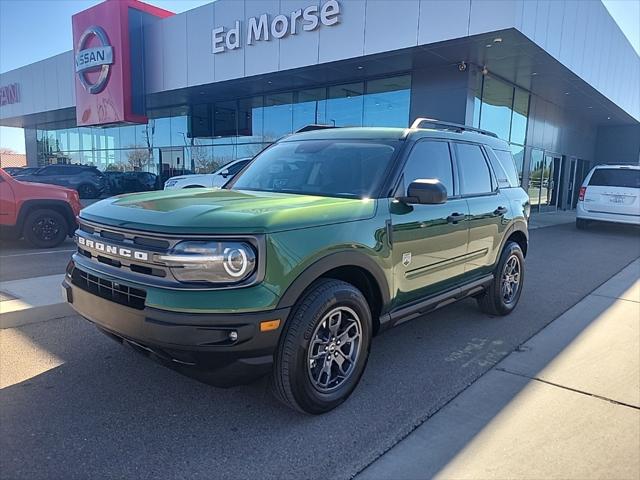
(31, 147)
(444, 93)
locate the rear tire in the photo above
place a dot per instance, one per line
(503, 293)
(581, 223)
(324, 347)
(45, 228)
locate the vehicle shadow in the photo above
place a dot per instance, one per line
(77, 404)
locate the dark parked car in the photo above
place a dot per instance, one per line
(14, 171)
(88, 181)
(129, 182)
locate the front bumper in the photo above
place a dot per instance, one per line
(199, 345)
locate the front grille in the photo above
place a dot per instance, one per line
(115, 292)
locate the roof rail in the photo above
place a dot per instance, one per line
(314, 126)
(455, 127)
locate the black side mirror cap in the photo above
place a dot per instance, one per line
(426, 191)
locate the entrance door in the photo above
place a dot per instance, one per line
(544, 181)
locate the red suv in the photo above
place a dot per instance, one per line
(44, 215)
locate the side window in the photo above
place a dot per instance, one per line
(475, 176)
(508, 166)
(236, 167)
(430, 159)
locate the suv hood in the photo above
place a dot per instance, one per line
(207, 211)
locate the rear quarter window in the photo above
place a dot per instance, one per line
(615, 177)
(506, 169)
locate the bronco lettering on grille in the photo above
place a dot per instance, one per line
(113, 249)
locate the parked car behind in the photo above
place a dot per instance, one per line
(44, 215)
(130, 182)
(14, 171)
(610, 193)
(216, 178)
(88, 181)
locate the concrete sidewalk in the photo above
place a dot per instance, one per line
(566, 404)
(32, 300)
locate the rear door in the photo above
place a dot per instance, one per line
(614, 190)
(487, 207)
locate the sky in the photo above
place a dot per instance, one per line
(48, 33)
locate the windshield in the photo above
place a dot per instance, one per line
(333, 168)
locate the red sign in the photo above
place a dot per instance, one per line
(9, 94)
(108, 57)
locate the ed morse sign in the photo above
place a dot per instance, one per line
(108, 57)
(9, 94)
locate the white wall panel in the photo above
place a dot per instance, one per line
(492, 15)
(303, 48)
(174, 52)
(390, 25)
(230, 63)
(345, 40)
(440, 21)
(200, 63)
(262, 56)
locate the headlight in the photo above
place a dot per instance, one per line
(211, 262)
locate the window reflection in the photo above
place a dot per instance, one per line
(345, 105)
(387, 102)
(497, 99)
(201, 138)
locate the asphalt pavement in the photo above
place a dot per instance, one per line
(18, 260)
(74, 404)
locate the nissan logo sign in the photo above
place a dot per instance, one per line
(92, 58)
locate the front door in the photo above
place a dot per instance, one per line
(429, 241)
(487, 208)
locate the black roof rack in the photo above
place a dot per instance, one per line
(314, 126)
(454, 127)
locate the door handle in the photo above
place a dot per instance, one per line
(500, 211)
(456, 217)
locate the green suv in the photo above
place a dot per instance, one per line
(325, 239)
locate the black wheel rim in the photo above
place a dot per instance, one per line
(334, 349)
(510, 281)
(46, 229)
(85, 190)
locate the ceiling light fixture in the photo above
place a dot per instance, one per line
(497, 40)
(360, 67)
(489, 45)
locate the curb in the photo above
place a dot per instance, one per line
(18, 318)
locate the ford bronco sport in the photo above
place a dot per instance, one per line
(325, 239)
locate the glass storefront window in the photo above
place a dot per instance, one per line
(520, 115)
(202, 138)
(278, 116)
(309, 107)
(386, 103)
(518, 156)
(345, 105)
(179, 126)
(497, 99)
(250, 119)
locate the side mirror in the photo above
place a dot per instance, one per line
(426, 191)
(224, 173)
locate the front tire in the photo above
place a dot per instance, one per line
(45, 229)
(503, 293)
(324, 347)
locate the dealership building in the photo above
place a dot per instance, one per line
(143, 89)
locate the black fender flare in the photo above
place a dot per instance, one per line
(518, 225)
(61, 206)
(330, 262)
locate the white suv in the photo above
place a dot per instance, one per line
(208, 180)
(610, 193)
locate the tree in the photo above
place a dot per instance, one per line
(138, 159)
